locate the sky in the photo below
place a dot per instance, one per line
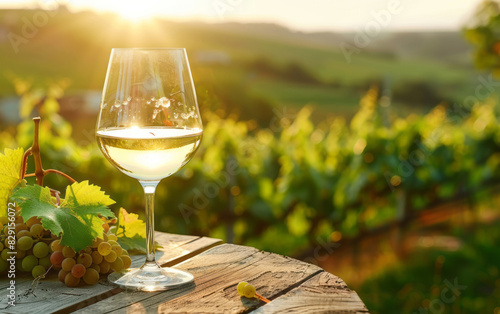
(304, 15)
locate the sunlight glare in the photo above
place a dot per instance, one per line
(134, 11)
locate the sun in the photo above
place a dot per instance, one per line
(134, 12)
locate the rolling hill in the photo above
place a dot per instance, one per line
(223, 56)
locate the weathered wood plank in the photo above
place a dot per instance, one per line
(171, 243)
(217, 273)
(52, 296)
(323, 293)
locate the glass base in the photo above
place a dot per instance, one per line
(150, 277)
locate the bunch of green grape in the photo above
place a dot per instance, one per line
(31, 248)
(105, 255)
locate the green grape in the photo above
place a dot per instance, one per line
(111, 257)
(240, 286)
(37, 231)
(23, 233)
(249, 291)
(96, 267)
(68, 263)
(78, 270)
(105, 266)
(5, 254)
(112, 242)
(38, 271)
(96, 257)
(3, 265)
(33, 220)
(20, 254)
(127, 261)
(117, 265)
(21, 226)
(1, 246)
(45, 262)
(96, 243)
(118, 249)
(29, 262)
(71, 281)
(40, 250)
(56, 246)
(24, 243)
(62, 274)
(112, 237)
(104, 248)
(85, 259)
(91, 276)
(68, 252)
(246, 290)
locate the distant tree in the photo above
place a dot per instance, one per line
(417, 93)
(297, 73)
(292, 72)
(483, 31)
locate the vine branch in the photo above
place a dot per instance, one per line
(35, 151)
(25, 163)
(45, 172)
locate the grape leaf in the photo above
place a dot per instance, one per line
(84, 193)
(131, 231)
(136, 243)
(10, 168)
(76, 221)
(130, 225)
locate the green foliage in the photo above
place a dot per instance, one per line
(422, 279)
(131, 231)
(284, 187)
(10, 170)
(77, 220)
(484, 34)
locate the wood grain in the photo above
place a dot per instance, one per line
(292, 286)
(323, 293)
(52, 296)
(217, 273)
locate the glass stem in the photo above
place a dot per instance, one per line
(149, 195)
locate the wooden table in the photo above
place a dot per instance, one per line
(291, 285)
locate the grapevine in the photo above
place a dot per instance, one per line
(42, 239)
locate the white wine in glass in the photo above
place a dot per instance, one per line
(149, 127)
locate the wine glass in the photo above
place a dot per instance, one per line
(149, 126)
